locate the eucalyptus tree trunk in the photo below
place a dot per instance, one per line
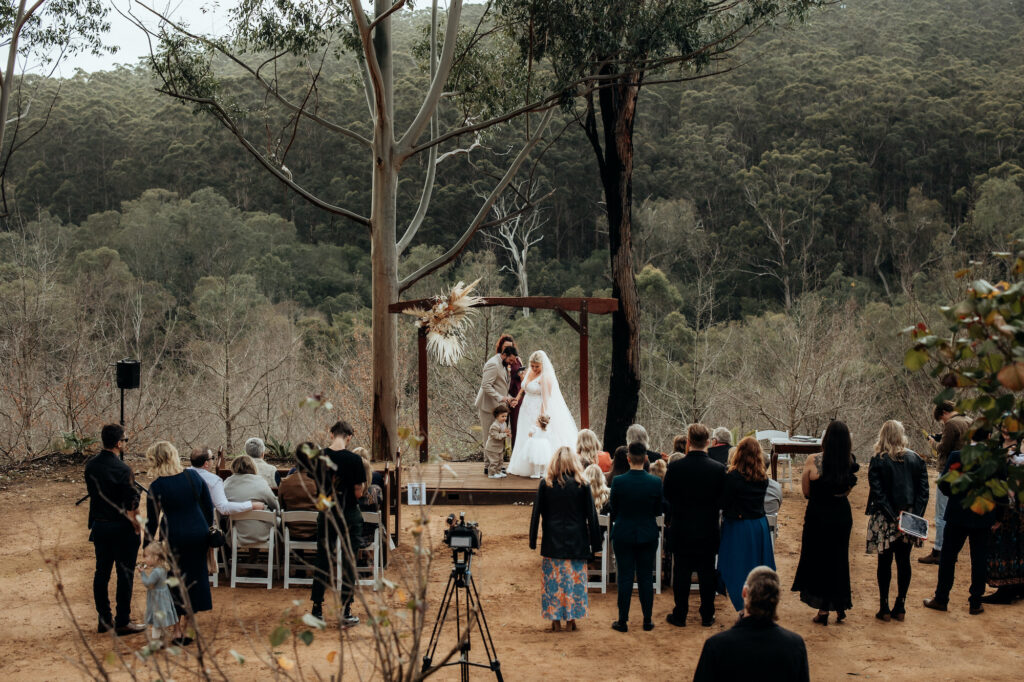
(383, 254)
(618, 113)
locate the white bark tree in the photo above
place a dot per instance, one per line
(518, 229)
(316, 31)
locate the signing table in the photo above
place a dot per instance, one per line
(793, 445)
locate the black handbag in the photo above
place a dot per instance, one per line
(214, 535)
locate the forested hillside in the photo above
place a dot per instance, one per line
(795, 213)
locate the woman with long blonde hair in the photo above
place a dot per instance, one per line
(180, 512)
(564, 511)
(746, 538)
(599, 490)
(898, 481)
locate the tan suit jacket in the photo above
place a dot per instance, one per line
(493, 386)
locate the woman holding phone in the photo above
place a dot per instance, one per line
(899, 482)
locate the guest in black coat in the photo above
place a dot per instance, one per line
(898, 481)
(962, 524)
(635, 508)
(638, 434)
(721, 443)
(693, 490)
(565, 511)
(113, 530)
(755, 648)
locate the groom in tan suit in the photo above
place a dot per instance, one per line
(493, 388)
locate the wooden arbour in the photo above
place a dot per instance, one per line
(563, 306)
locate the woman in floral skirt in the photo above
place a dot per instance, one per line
(565, 513)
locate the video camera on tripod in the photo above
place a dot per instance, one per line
(462, 534)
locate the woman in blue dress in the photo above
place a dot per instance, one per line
(746, 539)
(179, 508)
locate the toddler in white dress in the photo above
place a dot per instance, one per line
(538, 449)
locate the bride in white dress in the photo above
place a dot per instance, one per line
(540, 395)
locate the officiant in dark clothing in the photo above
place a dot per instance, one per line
(515, 379)
(114, 532)
(693, 490)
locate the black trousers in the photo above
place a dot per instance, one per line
(635, 559)
(953, 541)
(683, 567)
(328, 530)
(116, 545)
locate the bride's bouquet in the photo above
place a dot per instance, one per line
(446, 322)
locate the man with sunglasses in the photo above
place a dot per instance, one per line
(114, 530)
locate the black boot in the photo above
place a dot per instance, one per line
(884, 613)
(1002, 595)
(899, 609)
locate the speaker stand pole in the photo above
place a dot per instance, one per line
(122, 418)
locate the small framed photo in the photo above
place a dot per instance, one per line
(913, 525)
(417, 493)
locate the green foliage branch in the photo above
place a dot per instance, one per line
(980, 363)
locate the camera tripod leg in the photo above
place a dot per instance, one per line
(442, 614)
(473, 597)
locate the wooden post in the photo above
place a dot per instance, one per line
(584, 368)
(424, 428)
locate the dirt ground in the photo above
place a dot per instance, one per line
(39, 520)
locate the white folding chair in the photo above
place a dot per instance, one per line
(602, 573)
(657, 557)
(374, 550)
(773, 526)
(296, 545)
(267, 517)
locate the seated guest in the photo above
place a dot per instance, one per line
(772, 497)
(202, 463)
(755, 648)
(371, 501)
(658, 468)
(297, 492)
(638, 434)
(378, 476)
(679, 445)
(620, 464)
(746, 538)
(245, 484)
(588, 449)
(721, 443)
(255, 448)
(599, 490)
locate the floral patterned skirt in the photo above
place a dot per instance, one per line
(882, 533)
(565, 589)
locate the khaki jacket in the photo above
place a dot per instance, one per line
(493, 385)
(496, 436)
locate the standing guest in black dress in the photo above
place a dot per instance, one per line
(693, 490)
(343, 481)
(635, 508)
(179, 512)
(823, 573)
(899, 482)
(113, 530)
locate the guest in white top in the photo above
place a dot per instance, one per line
(246, 484)
(255, 448)
(202, 462)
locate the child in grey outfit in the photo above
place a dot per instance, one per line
(494, 447)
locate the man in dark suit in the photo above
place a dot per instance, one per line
(755, 648)
(114, 530)
(693, 490)
(721, 443)
(635, 507)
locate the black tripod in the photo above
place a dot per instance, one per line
(461, 580)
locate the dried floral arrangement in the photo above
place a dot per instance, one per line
(446, 322)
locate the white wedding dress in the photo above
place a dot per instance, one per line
(561, 429)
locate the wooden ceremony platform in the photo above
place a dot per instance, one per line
(465, 483)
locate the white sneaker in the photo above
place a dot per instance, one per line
(501, 474)
(493, 475)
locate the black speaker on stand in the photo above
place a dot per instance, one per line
(128, 374)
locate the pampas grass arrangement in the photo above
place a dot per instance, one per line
(446, 322)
